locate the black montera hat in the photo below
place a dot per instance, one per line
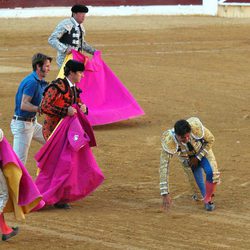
(73, 65)
(79, 8)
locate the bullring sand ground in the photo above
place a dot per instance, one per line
(176, 67)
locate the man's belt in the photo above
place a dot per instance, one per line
(24, 119)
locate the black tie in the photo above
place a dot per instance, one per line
(74, 93)
(190, 147)
(80, 38)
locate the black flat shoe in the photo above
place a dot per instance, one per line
(10, 235)
(209, 206)
(62, 206)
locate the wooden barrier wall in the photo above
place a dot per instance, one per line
(48, 3)
(237, 1)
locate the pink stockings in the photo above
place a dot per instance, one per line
(5, 229)
(210, 189)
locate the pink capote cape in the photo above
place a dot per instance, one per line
(24, 196)
(68, 169)
(106, 97)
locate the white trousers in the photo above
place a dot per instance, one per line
(23, 133)
(4, 196)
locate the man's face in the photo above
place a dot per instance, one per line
(79, 17)
(76, 76)
(44, 70)
(183, 138)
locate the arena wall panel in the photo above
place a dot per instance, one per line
(45, 8)
(47, 3)
(234, 8)
(237, 1)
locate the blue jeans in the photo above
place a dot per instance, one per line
(205, 166)
(23, 133)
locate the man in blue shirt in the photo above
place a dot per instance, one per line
(24, 125)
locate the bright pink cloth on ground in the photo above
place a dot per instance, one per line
(69, 170)
(107, 98)
(28, 192)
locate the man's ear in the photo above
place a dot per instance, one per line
(37, 67)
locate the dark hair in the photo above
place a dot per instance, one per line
(73, 66)
(182, 127)
(79, 8)
(39, 59)
(67, 71)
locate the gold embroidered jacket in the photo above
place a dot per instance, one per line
(200, 138)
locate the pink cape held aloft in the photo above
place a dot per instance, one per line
(107, 98)
(68, 169)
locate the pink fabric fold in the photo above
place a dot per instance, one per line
(68, 169)
(77, 137)
(107, 98)
(28, 191)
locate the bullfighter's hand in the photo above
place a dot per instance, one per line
(68, 51)
(83, 108)
(193, 162)
(166, 202)
(71, 111)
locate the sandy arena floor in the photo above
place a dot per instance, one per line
(176, 67)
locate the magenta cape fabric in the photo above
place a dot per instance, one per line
(106, 97)
(28, 192)
(69, 170)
